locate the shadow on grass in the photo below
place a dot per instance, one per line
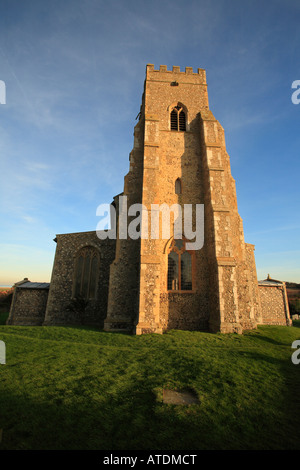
(269, 340)
(117, 406)
(3, 317)
(128, 423)
(136, 423)
(135, 418)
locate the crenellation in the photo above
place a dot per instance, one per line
(176, 69)
(163, 68)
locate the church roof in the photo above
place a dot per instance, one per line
(33, 285)
(270, 282)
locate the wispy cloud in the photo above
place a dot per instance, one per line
(74, 73)
(282, 228)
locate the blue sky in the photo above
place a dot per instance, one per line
(74, 73)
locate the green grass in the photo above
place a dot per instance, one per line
(79, 388)
(3, 317)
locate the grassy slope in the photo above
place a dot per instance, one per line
(76, 388)
(3, 317)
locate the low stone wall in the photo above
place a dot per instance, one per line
(28, 307)
(274, 305)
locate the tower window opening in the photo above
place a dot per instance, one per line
(182, 120)
(178, 119)
(173, 269)
(178, 188)
(174, 120)
(180, 267)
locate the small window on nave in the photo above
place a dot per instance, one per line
(85, 276)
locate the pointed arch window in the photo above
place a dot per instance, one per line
(86, 269)
(180, 267)
(178, 119)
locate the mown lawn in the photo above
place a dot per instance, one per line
(3, 317)
(79, 388)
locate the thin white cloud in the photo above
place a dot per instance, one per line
(29, 219)
(282, 228)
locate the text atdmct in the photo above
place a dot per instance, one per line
(154, 459)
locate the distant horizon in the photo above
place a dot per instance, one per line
(261, 279)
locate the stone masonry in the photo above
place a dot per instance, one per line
(274, 302)
(225, 292)
(29, 303)
(61, 306)
(154, 283)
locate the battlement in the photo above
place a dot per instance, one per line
(188, 72)
(175, 68)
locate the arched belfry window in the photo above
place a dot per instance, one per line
(180, 267)
(178, 119)
(86, 269)
(178, 188)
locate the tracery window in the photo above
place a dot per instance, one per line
(180, 267)
(86, 268)
(178, 119)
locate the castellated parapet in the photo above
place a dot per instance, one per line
(176, 69)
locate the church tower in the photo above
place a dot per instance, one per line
(179, 159)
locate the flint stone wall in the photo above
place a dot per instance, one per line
(274, 305)
(60, 307)
(28, 307)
